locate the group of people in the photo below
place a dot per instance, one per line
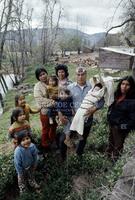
(71, 104)
(70, 97)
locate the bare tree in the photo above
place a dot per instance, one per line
(19, 40)
(4, 23)
(122, 24)
(128, 18)
(7, 10)
(12, 54)
(78, 38)
(129, 27)
(29, 28)
(50, 27)
(13, 36)
(21, 32)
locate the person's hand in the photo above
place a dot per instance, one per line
(54, 97)
(73, 112)
(39, 109)
(53, 103)
(90, 111)
(63, 119)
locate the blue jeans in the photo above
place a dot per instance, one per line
(81, 144)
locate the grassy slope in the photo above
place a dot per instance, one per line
(77, 178)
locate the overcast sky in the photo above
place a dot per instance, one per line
(89, 16)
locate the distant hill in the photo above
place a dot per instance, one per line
(89, 40)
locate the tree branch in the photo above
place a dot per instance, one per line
(132, 3)
(129, 43)
(125, 22)
(116, 10)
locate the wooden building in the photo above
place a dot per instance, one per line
(121, 58)
(87, 49)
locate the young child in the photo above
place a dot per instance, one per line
(65, 109)
(25, 161)
(18, 125)
(93, 95)
(20, 102)
(52, 90)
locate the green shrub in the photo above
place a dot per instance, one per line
(7, 174)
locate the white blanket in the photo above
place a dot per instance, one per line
(108, 82)
(90, 99)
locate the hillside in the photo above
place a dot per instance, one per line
(89, 40)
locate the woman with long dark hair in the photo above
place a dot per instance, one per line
(121, 116)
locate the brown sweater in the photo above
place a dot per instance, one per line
(41, 97)
(52, 92)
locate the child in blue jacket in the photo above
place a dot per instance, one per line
(25, 161)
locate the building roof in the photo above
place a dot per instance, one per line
(121, 50)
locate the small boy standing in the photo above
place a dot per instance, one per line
(66, 112)
(25, 161)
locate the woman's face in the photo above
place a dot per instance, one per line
(125, 86)
(61, 74)
(43, 77)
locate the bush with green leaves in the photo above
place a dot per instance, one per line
(116, 170)
(7, 174)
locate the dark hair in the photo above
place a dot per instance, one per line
(17, 97)
(62, 67)
(67, 91)
(98, 85)
(54, 78)
(131, 90)
(15, 114)
(38, 72)
(21, 135)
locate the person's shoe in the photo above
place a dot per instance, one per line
(22, 190)
(50, 120)
(38, 191)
